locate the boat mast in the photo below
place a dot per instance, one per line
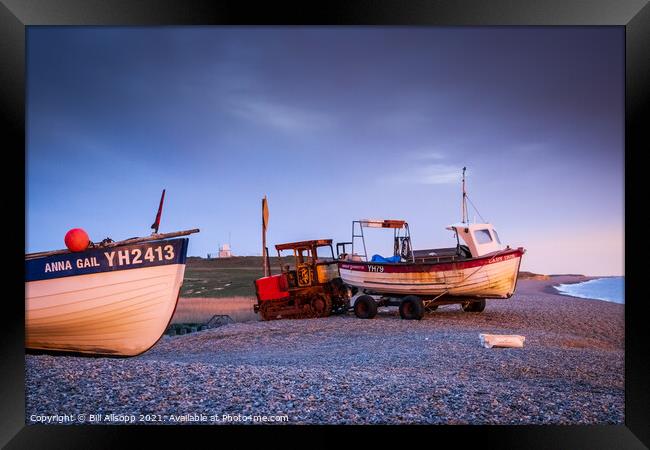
(464, 202)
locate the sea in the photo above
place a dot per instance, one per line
(610, 289)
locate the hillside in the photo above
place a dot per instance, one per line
(532, 276)
(225, 277)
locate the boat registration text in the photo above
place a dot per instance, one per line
(107, 259)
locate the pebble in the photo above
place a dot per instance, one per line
(344, 370)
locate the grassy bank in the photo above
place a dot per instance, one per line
(225, 277)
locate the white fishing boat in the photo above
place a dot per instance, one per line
(486, 274)
(114, 298)
(481, 268)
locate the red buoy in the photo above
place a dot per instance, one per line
(77, 240)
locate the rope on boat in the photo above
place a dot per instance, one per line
(108, 242)
(483, 266)
(475, 208)
(103, 243)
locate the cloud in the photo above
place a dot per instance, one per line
(281, 117)
(530, 147)
(431, 174)
(439, 174)
(427, 154)
(401, 119)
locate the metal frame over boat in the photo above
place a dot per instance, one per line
(482, 268)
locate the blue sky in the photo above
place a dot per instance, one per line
(332, 124)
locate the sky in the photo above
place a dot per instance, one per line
(332, 124)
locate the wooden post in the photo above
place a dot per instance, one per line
(265, 215)
(266, 269)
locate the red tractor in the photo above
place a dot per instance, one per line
(313, 288)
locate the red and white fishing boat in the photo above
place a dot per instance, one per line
(481, 268)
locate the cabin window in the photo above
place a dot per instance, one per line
(483, 236)
(496, 235)
(303, 255)
(324, 253)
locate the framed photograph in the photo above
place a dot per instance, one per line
(370, 218)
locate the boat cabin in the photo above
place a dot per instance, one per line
(480, 238)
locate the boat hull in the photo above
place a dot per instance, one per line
(119, 310)
(491, 276)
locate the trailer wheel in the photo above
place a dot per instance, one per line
(365, 307)
(474, 306)
(411, 308)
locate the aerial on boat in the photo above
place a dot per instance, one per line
(107, 298)
(478, 268)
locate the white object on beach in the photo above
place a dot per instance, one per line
(502, 340)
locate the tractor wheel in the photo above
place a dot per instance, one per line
(411, 308)
(321, 305)
(476, 306)
(365, 307)
(265, 311)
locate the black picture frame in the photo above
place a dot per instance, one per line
(634, 15)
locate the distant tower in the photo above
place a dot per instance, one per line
(224, 251)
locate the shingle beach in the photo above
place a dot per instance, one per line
(343, 370)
